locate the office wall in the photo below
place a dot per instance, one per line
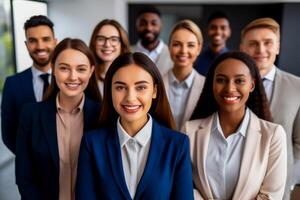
(77, 18)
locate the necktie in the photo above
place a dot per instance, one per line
(267, 85)
(45, 78)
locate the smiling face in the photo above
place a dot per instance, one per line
(40, 43)
(148, 27)
(262, 44)
(108, 49)
(232, 85)
(132, 92)
(184, 48)
(218, 32)
(72, 71)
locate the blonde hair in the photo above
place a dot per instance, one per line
(267, 22)
(190, 26)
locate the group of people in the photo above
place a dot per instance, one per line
(114, 121)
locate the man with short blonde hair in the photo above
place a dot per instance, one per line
(261, 40)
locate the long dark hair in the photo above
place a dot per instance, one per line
(160, 108)
(257, 100)
(92, 90)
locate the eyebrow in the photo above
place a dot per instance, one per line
(136, 83)
(237, 75)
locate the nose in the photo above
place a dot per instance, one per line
(260, 47)
(131, 95)
(183, 49)
(40, 45)
(73, 74)
(106, 42)
(230, 86)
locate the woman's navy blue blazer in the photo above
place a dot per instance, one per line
(167, 174)
(37, 157)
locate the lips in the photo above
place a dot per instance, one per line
(131, 108)
(231, 99)
(72, 86)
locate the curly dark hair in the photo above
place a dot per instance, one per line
(257, 100)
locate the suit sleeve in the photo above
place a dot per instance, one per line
(86, 178)
(9, 117)
(274, 181)
(296, 136)
(25, 176)
(183, 180)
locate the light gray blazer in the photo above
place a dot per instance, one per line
(285, 108)
(164, 62)
(193, 98)
(263, 166)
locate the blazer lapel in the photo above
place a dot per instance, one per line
(192, 98)
(154, 157)
(27, 85)
(115, 160)
(49, 128)
(276, 91)
(252, 141)
(202, 136)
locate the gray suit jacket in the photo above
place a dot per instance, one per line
(164, 62)
(285, 108)
(193, 98)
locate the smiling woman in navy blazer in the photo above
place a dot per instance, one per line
(135, 114)
(45, 139)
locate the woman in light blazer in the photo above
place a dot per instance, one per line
(135, 154)
(50, 132)
(237, 153)
(183, 83)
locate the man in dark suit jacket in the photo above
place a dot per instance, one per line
(261, 40)
(27, 86)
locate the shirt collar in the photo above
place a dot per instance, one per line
(271, 74)
(187, 82)
(37, 73)
(157, 50)
(142, 137)
(242, 128)
(77, 109)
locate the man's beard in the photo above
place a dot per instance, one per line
(146, 40)
(41, 62)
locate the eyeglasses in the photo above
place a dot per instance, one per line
(113, 40)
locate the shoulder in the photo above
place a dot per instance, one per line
(199, 78)
(97, 137)
(91, 103)
(169, 135)
(288, 78)
(268, 129)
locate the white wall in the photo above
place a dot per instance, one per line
(77, 18)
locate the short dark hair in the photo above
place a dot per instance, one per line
(160, 108)
(38, 20)
(148, 9)
(257, 101)
(217, 15)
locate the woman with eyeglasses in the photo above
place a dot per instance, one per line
(109, 39)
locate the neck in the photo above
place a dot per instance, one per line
(132, 128)
(230, 122)
(102, 69)
(42, 68)
(69, 103)
(150, 46)
(217, 49)
(181, 73)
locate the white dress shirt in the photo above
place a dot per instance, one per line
(268, 81)
(38, 83)
(224, 158)
(178, 95)
(134, 152)
(154, 54)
